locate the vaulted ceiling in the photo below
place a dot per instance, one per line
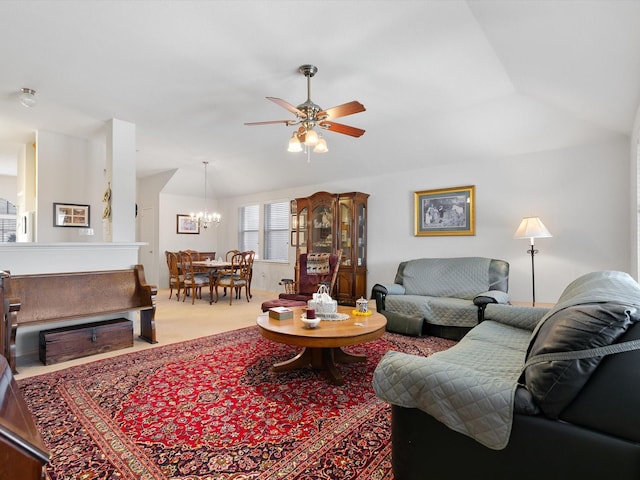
(443, 82)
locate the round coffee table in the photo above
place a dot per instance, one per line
(322, 344)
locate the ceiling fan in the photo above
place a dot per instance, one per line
(309, 115)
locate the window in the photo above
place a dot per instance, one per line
(248, 228)
(7, 221)
(276, 231)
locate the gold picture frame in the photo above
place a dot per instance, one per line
(445, 211)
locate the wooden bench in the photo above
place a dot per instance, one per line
(51, 297)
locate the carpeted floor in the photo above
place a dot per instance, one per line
(211, 409)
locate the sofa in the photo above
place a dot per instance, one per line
(529, 393)
(443, 297)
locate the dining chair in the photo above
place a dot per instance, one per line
(192, 278)
(176, 279)
(228, 256)
(250, 257)
(234, 278)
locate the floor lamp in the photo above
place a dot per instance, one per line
(532, 227)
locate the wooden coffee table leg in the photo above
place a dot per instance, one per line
(341, 356)
(322, 359)
(301, 360)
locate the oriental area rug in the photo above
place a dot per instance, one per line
(211, 409)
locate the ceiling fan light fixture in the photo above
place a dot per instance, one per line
(321, 147)
(294, 144)
(27, 97)
(311, 138)
(309, 115)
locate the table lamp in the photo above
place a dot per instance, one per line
(532, 227)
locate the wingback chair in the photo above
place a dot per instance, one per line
(306, 282)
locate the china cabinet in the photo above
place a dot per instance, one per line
(330, 222)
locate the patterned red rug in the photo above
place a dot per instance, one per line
(211, 409)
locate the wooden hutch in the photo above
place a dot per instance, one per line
(328, 222)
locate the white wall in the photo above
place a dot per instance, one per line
(584, 196)
(9, 188)
(69, 170)
(581, 194)
(148, 201)
(207, 241)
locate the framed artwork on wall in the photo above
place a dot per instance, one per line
(186, 224)
(446, 211)
(71, 215)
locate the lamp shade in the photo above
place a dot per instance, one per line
(294, 144)
(532, 227)
(321, 147)
(311, 137)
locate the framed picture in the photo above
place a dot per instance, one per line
(70, 215)
(447, 211)
(186, 224)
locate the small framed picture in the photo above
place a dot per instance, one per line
(447, 211)
(186, 224)
(71, 215)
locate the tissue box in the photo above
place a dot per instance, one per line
(323, 306)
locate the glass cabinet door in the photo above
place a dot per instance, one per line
(322, 229)
(346, 231)
(301, 230)
(362, 231)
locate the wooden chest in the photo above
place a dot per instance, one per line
(66, 343)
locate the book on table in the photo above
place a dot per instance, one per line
(280, 313)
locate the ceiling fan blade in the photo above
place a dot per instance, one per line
(340, 128)
(302, 134)
(286, 122)
(288, 106)
(342, 110)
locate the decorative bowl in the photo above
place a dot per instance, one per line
(310, 322)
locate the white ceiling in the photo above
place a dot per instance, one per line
(442, 82)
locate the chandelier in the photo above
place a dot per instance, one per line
(203, 219)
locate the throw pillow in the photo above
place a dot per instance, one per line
(554, 384)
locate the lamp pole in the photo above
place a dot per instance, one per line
(533, 251)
